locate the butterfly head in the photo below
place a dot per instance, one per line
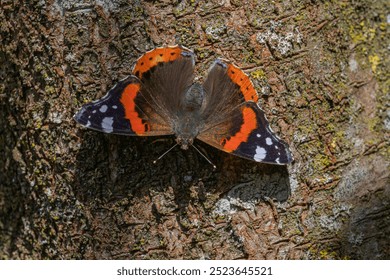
(186, 129)
(184, 142)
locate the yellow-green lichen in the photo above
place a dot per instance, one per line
(321, 161)
(258, 74)
(374, 61)
(300, 17)
(374, 123)
(50, 89)
(325, 255)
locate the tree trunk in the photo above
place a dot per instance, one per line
(321, 70)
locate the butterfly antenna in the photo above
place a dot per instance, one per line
(160, 157)
(209, 161)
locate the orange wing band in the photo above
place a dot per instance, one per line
(242, 80)
(153, 57)
(129, 94)
(249, 124)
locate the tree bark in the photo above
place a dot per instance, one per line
(321, 71)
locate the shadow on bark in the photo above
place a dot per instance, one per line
(110, 168)
(15, 202)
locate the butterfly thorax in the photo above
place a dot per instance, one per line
(188, 122)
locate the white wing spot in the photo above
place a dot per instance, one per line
(94, 111)
(276, 147)
(268, 141)
(277, 160)
(258, 135)
(107, 124)
(103, 109)
(88, 124)
(114, 107)
(261, 153)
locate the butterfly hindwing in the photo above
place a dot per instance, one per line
(239, 126)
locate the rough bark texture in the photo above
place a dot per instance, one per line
(321, 70)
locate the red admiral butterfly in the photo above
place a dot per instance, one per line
(160, 98)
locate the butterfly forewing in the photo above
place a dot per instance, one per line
(145, 103)
(120, 112)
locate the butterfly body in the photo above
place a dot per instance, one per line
(160, 98)
(188, 123)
